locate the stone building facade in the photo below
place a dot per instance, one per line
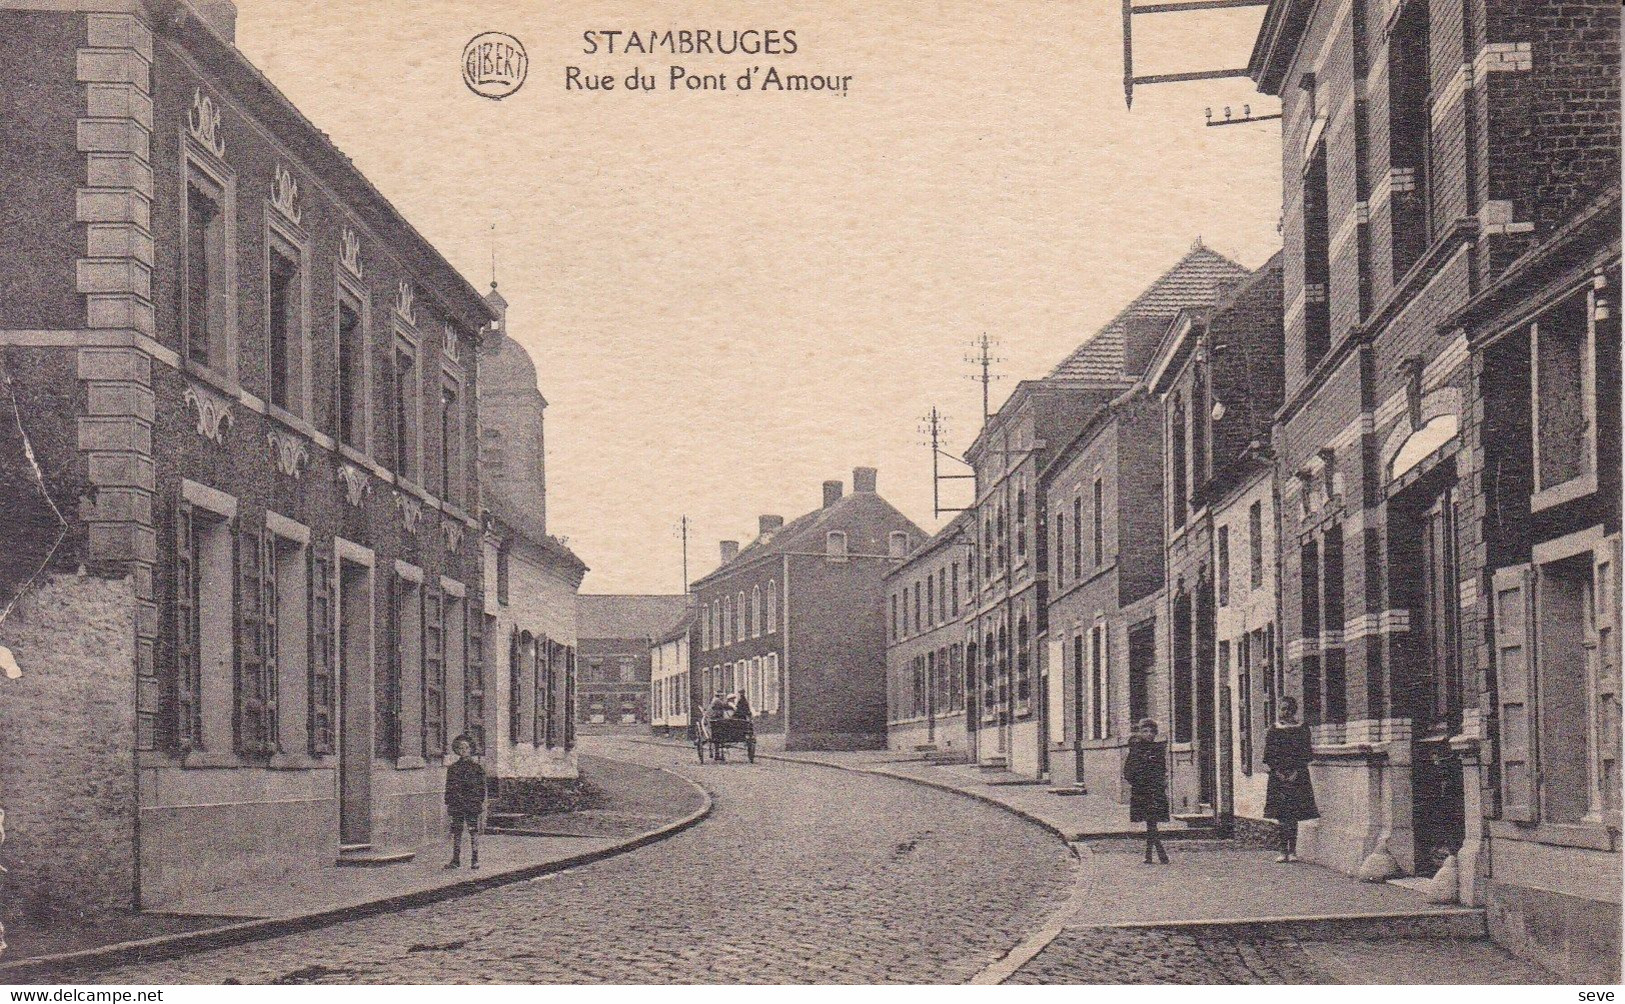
(249, 386)
(927, 596)
(797, 619)
(1429, 149)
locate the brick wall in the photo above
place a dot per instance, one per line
(836, 668)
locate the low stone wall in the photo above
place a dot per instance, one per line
(67, 749)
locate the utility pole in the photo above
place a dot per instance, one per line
(934, 425)
(685, 552)
(985, 359)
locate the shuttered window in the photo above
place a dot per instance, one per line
(479, 628)
(186, 718)
(255, 690)
(541, 717)
(434, 673)
(515, 688)
(570, 698)
(320, 715)
(1514, 678)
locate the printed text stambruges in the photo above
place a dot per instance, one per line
(686, 42)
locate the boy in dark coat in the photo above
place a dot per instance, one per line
(465, 802)
(1146, 771)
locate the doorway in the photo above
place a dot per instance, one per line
(355, 689)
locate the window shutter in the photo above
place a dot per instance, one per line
(269, 682)
(570, 697)
(515, 716)
(538, 692)
(1514, 655)
(474, 680)
(187, 726)
(251, 724)
(434, 672)
(1606, 601)
(322, 633)
(386, 685)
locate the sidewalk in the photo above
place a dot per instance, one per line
(1207, 882)
(324, 894)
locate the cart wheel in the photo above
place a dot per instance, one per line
(750, 749)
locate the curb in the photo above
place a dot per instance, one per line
(1457, 922)
(1059, 833)
(187, 942)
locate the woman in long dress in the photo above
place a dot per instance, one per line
(1290, 797)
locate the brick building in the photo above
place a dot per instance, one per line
(616, 635)
(527, 731)
(1432, 154)
(249, 385)
(797, 619)
(927, 596)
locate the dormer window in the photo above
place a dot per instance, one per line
(897, 544)
(835, 545)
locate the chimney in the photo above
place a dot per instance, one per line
(767, 524)
(220, 16)
(730, 550)
(863, 479)
(832, 493)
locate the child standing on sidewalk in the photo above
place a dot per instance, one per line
(1146, 771)
(465, 802)
(1290, 796)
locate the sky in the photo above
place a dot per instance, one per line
(731, 296)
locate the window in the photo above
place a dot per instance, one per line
(987, 546)
(954, 579)
(756, 612)
(203, 688)
(1176, 442)
(930, 601)
(435, 651)
(503, 550)
(1223, 561)
(1024, 682)
(352, 382)
(1255, 545)
(285, 304)
(897, 543)
(403, 665)
(1097, 681)
(1316, 260)
(1562, 348)
(207, 294)
(835, 545)
(1309, 605)
(1332, 617)
(1077, 538)
(1001, 523)
(772, 606)
(942, 595)
(740, 614)
(718, 635)
(1557, 652)
(1060, 549)
(705, 630)
(1021, 522)
(1100, 524)
(451, 440)
(770, 699)
(1410, 141)
(404, 410)
(288, 603)
(917, 627)
(517, 647)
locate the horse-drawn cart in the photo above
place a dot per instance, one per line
(723, 734)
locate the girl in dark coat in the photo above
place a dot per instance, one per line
(1146, 771)
(1290, 797)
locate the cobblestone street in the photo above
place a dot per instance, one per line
(801, 874)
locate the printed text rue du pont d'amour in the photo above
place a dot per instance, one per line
(763, 78)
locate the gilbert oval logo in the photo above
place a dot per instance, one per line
(494, 64)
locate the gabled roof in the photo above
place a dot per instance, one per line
(1194, 280)
(602, 615)
(865, 518)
